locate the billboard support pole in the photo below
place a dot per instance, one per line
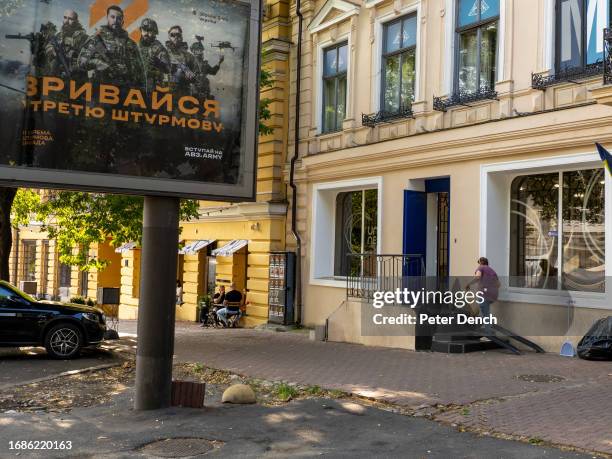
(156, 309)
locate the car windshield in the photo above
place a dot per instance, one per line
(18, 292)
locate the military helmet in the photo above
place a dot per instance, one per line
(197, 46)
(150, 25)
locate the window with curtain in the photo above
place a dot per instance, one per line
(558, 231)
(334, 87)
(579, 38)
(398, 63)
(356, 229)
(477, 38)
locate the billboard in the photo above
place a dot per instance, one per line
(149, 97)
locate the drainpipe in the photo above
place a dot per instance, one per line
(298, 251)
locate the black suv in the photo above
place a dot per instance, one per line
(63, 329)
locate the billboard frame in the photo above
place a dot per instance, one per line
(23, 176)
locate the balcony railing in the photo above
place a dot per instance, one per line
(464, 98)
(384, 116)
(567, 75)
(607, 59)
(371, 273)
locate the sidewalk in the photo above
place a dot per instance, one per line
(542, 397)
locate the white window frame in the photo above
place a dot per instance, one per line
(451, 42)
(323, 227)
(321, 47)
(379, 23)
(498, 251)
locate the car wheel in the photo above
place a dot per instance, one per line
(64, 341)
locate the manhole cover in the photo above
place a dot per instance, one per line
(541, 378)
(179, 447)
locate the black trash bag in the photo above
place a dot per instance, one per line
(597, 343)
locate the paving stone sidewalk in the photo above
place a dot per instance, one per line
(495, 391)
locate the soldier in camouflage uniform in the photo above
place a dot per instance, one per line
(202, 83)
(155, 58)
(112, 56)
(183, 66)
(69, 42)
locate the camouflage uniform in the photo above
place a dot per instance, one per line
(181, 63)
(71, 40)
(202, 83)
(156, 64)
(114, 59)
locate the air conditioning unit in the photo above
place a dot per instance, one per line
(108, 295)
(28, 287)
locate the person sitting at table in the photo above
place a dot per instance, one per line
(233, 299)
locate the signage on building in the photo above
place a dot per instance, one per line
(149, 97)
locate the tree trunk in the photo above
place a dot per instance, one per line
(7, 195)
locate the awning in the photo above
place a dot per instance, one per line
(229, 249)
(194, 247)
(126, 247)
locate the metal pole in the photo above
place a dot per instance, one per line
(156, 309)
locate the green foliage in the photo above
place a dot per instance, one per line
(286, 392)
(313, 390)
(78, 220)
(24, 207)
(265, 81)
(78, 300)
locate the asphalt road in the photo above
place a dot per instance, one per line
(299, 429)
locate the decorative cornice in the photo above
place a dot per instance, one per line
(398, 155)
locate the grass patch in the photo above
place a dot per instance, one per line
(465, 411)
(313, 390)
(198, 368)
(285, 392)
(536, 441)
(336, 393)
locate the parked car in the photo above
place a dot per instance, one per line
(63, 329)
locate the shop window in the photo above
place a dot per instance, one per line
(477, 26)
(356, 229)
(399, 63)
(558, 231)
(579, 37)
(334, 87)
(29, 261)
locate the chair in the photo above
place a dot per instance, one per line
(233, 316)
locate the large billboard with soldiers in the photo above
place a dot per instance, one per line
(141, 96)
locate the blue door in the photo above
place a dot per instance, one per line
(415, 230)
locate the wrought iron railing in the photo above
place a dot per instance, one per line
(568, 75)
(369, 273)
(384, 116)
(607, 59)
(463, 98)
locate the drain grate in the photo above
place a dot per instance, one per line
(541, 378)
(179, 447)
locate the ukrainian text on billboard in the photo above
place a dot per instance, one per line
(141, 88)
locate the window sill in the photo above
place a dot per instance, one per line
(338, 282)
(574, 75)
(463, 98)
(323, 134)
(383, 116)
(566, 298)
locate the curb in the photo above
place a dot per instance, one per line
(63, 374)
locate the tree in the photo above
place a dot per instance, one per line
(77, 221)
